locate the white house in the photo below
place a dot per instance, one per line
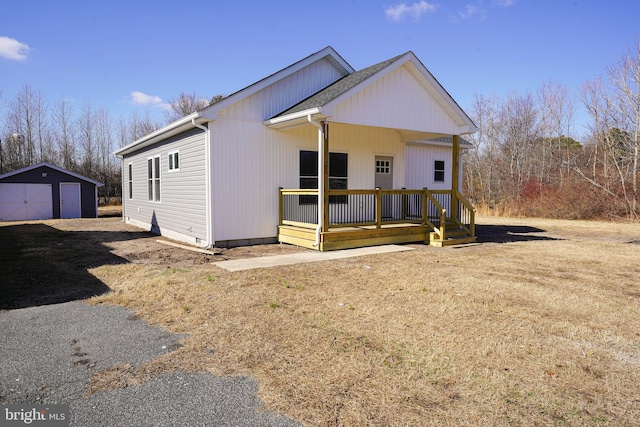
(379, 148)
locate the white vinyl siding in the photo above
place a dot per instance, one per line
(283, 94)
(397, 100)
(421, 162)
(251, 181)
(183, 207)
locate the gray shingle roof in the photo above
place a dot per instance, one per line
(336, 89)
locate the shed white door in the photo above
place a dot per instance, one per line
(20, 202)
(70, 200)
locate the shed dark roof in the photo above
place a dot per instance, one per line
(338, 88)
(50, 166)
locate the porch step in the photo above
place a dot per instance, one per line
(455, 232)
(451, 240)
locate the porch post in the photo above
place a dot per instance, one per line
(455, 173)
(325, 177)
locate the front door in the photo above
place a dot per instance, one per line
(70, 200)
(384, 180)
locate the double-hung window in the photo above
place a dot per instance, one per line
(438, 171)
(130, 179)
(153, 178)
(338, 176)
(174, 161)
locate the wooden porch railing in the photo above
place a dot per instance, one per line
(378, 207)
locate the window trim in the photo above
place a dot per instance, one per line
(437, 171)
(130, 180)
(174, 158)
(154, 179)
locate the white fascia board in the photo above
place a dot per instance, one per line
(283, 120)
(165, 132)
(211, 112)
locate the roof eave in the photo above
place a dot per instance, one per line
(295, 119)
(171, 129)
(211, 112)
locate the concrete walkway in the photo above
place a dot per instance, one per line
(308, 256)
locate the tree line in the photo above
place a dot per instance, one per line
(80, 139)
(524, 160)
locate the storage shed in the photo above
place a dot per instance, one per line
(45, 191)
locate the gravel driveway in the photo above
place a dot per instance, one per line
(49, 353)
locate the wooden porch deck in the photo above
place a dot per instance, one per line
(360, 218)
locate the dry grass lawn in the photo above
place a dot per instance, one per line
(539, 324)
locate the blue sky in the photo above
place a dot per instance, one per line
(134, 55)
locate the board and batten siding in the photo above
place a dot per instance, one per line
(251, 161)
(420, 164)
(181, 212)
(281, 95)
(396, 100)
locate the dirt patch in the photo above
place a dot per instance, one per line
(536, 325)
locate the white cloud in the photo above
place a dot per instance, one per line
(505, 3)
(468, 12)
(13, 49)
(140, 98)
(416, 10)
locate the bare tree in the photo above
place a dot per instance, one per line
(107, 170)
(614, 107)
(556, 120)
(87, 140)
(481, 161)
(22, 119)
(64, 133)
(183, 105)
(519, 138)
(141, 126)
(2, 135)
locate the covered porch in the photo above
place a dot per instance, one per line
(328, 218)
(394, 115)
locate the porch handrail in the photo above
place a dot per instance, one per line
(353, 208)
(467, 211)
(428, 196)
(400, 206)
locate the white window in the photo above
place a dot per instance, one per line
(130, 180)
(153, 178)
(174, 161)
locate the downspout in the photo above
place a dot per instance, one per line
(207, 151)
(320, 179)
